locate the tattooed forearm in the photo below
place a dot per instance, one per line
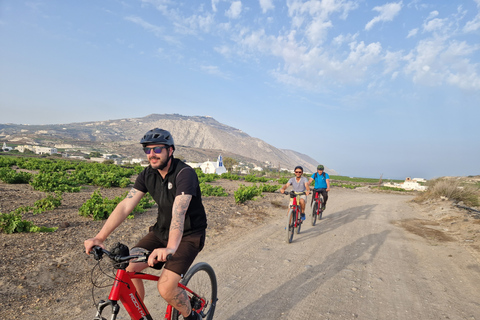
(131, 193)
(180, 206)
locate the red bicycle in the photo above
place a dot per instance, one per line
(199, 282)
(317, 208)
(294, 222)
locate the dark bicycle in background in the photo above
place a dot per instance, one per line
(317, 207)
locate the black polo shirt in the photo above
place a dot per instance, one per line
(180, 179)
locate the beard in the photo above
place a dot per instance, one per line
(161, 164)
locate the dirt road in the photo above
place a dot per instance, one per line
(359, 262)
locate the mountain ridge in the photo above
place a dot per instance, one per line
(193, 135)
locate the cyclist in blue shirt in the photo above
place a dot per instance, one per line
(322, 182)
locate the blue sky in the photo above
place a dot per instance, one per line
(364, 87)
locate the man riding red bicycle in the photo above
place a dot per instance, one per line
(181, 221)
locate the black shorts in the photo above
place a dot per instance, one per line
(183, 258)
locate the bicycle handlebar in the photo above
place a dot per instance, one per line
(293, 193)
(98, 253)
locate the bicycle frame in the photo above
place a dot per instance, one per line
(296, 207)
(318, 199)
(124, 290)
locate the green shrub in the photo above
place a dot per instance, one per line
(206, 177)
(100, 208)
(229, 176)
(97, 207)
(283, 181)
(209, 190)
(50, 202)
(244, 193)
(344, 185)
(54, 181)
(10, 176)
(13, 222)
(269, 188)
(253, 178)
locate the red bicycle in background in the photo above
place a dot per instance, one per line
(294, 222)
(317, 208)
(199, 282)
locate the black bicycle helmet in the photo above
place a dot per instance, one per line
(298, 167)
(158, 136)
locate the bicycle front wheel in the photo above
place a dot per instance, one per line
(202, 281)
(290, 225)
(299, 223)
(314, 213)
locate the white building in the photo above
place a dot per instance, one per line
(213, 167)
(37, 149)
(45, 150)
(5, 148)
(408, 184)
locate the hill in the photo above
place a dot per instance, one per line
(198, 138)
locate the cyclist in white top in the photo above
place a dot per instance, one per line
(299, 184)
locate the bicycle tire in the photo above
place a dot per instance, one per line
(314, 213)
(299, 224)
(201, 279)
(320, 210)
(290, 225)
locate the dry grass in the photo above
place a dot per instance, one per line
(453, 189)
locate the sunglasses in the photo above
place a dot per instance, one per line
(157, 150)
(298, 171)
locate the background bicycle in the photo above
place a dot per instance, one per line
(317, 207)
(294, 222)
(199, 282)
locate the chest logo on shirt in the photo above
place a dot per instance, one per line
(170, 185)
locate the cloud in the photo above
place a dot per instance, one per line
(438, 61)
(160, 5)
(434, 25)
(195, 23)
(474, 24)
(266, 5)
(157, 31)
(412, 33)
(235, 10)
(214, 5)
(387, 13)
(214, 70)
(314, 17)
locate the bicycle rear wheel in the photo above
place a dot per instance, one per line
(202, 281)
(320, 210)
(314, 213)
(290, 225)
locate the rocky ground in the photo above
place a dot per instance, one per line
(40, 271)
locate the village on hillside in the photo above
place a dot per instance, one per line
(206, 167)
(415, 184)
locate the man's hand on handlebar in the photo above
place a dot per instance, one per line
(160, 255)
(90, 243)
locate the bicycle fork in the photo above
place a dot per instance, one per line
(102, 305)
